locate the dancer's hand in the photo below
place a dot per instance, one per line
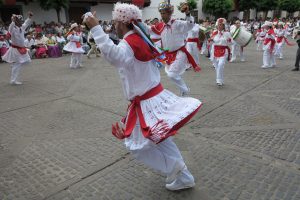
(90, 19)
(117, 131)
(30, 14)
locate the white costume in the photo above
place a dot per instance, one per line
(75, 47)
(269, 48)
(236, 49)
(281, 34)
(140, 76)
(193, 44)
(260, 37)
(28, 44)
(173, 35)
(221, 51)
(17, 54)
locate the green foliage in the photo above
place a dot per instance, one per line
(247, 4)
(192, 4)
(218, 8)
(54, 4)
(289, 5)
(266, 5)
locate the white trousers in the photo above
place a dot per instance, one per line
(268, 59)
(162, 158)
(93, 50)
(204, 46)
(219, 64)
(76, 60)
(278, 50)
(237, 51)
(193, 49)
(259, 45)
(176, 69)
(15, 71)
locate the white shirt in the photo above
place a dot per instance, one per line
(137, 77)
(17, 33)
(174, 34)
(29, 43)
(222, 38)
(194, 33)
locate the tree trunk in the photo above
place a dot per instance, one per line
(58, 14)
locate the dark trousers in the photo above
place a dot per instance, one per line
(297, 59)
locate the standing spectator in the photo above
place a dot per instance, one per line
(297, 63)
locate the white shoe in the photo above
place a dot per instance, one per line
(179, 166)
(184, 94)
(219, 84)
(179, 185)
(264, 67)
(243, 60)
(16, 83)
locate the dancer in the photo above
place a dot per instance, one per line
(193, 44)
(221, 51)
(17, 54)
(260, 37)
(269, 45)
(173, 34)
(74, 46)
(237, 50)
(297, 63)
(93, 49)
(155, 113)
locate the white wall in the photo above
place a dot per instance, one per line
(40, 16)
(104, 11)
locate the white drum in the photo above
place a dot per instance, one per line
(241, 36)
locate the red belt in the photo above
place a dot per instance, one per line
(135, 111)
(78, 44)
(219, 51)
(195, 40)
(22, 50)
(171, 56)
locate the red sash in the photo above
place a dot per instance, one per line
(22, 50)
(219, 51)
(267, 41)
(195, 40)
(171, 56)
(78, 44)
(279, 39)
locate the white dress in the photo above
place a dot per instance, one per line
(17, 38)
(71, 45)
(137, 78)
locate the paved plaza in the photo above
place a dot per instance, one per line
(56, 141)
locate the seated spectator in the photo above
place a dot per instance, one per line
(61, 41)
(53, 48)
(41, 48)
(30, 45)
(3, 45)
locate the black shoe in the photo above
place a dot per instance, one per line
(296, 69)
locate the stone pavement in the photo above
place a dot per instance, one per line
(56, 143)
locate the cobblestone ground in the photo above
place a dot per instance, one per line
(55, 140)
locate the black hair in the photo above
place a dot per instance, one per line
(130, 26)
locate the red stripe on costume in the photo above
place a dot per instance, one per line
(140, 48)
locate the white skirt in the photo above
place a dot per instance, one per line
(71, 47)
(164, 106)
(13, 56)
